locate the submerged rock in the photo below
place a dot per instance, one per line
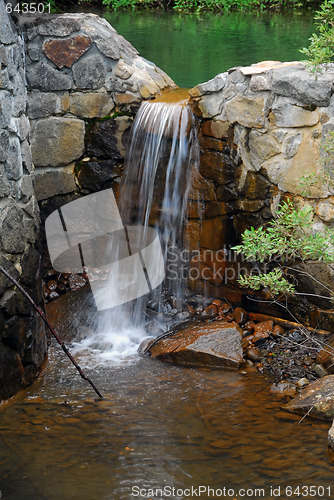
(317, 399)
(217, 345)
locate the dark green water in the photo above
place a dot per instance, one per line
(193, 49)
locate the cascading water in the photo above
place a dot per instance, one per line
(162, 153)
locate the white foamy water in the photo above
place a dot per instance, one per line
(113, 348)
(153, 197)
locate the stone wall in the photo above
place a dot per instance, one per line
(22, 335)
(260, 132)
(85, 83)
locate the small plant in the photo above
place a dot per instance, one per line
(321, 49)
(288, 240)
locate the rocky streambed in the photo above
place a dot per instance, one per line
(210, 333)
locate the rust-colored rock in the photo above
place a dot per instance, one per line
(317, 399)
(264, 328)
(217, 344)
(326, 355)
(66, 52)
(278, 331)
(240, 315)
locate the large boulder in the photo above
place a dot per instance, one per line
(316, 400)
(216, 345)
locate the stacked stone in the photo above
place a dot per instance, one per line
(22, 336)
(261, 132)
(85, 82)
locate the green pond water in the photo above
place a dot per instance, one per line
(194, 48)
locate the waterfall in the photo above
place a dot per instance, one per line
(153, 198)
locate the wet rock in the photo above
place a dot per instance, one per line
(210, 311)
(302, 382)
(284, 388)
(101, 140)
(317, 399)
(145, 344)
(249, 325)
(215, 345)
(240, 315)
(331, 436)
(246, 342)
(264, 328)
(75, 282)
(224, 308)
(278, 331)
(253, 354)
(326, 355)
(320, 371)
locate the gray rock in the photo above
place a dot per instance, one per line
(3, 56)
(292, 144)
(301, 84)
(19, 91)
(317, 399)
(23, 127)
(4, 186)
(57, 141)
(4, 79)
(216, 84)
(11, 269)
(106, 38)
(13, 164)
(12, 233)
(7, 29)
(26, 156)
(286, 113)
(52, 182)
(27, 188)
(5, 109)
(89, 72)
(4, 144)
(45, 78)
(59, 25)
(34, 53)
(41, 105)
(260, 83)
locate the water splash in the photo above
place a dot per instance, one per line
(157, 175)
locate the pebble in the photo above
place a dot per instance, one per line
(246, 342)
(302, 382)
(264, 327)
(278, 331)
(240, 315)
(246, 333)
(320, 371)
(249, 326)
(210, 312)
(285, 388)
(224, 308)
(253, 354)
(308, 361)
(52, 285)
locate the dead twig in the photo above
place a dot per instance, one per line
(60, 342)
